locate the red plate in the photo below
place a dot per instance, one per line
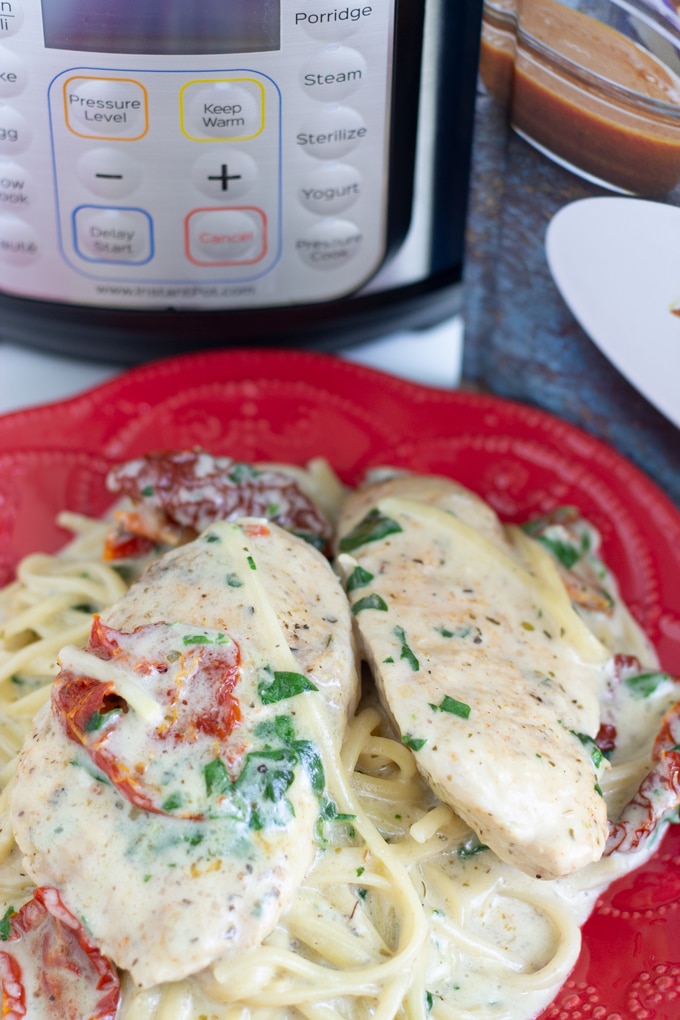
(291, 406)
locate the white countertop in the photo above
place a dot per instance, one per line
(29, 377)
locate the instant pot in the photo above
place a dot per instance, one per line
(177, 175)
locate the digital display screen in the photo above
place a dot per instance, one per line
(162, 26)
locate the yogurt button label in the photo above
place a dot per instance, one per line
(330, 189)
(332, 132)
(330, 244)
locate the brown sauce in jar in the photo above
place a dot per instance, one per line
(630, 139)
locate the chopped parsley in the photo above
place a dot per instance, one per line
(5, 923)
(278, 685)
(453, 706)
(414, 743)
(372, 601)
(359, 578)
(372, 528)
(643, 684)
(406, 650)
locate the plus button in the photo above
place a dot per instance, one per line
(224, 176)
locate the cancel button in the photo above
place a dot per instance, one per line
(330, 244)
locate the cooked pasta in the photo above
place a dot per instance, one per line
(403, 914)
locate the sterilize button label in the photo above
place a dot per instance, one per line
(332, 132)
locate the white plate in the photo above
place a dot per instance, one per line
(616, 262)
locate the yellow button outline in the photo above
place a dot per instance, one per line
(107, 138)
(217, 81)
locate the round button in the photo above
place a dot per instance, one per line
(330, 189)
(333, 73)
(109, 173)
(224, 173)
(221, 109)
(11, 19)
(13, 73)
(14, 187)
(15, 133)
(330, 244)
(113, 235)
(226, 236)
(18, 241)
(332, 132)
(105, 107)
(325, 20)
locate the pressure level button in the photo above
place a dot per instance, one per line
(106, 107)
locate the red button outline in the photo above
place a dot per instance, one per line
(221, 208)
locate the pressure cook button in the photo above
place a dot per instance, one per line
(11, 17)
(14, 187)
(15, 133)
(18, 241)
(226, 236)
(13, 73)
(332, 132)
(113, 235)
(330, 189)
(333, 73)
(330, 244)
(224, 173)
(109, 173)
(222, 110)
(106, 107)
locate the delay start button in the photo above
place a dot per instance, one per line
(330, 244)
(113, 235)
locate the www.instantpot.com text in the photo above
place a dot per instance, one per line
(170, 293)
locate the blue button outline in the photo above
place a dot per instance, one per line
(113, 208)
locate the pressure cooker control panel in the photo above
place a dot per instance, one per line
(139, 167)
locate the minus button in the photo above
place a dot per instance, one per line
(109, 173)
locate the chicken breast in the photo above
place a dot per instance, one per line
(171, 789)
(488, 673)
